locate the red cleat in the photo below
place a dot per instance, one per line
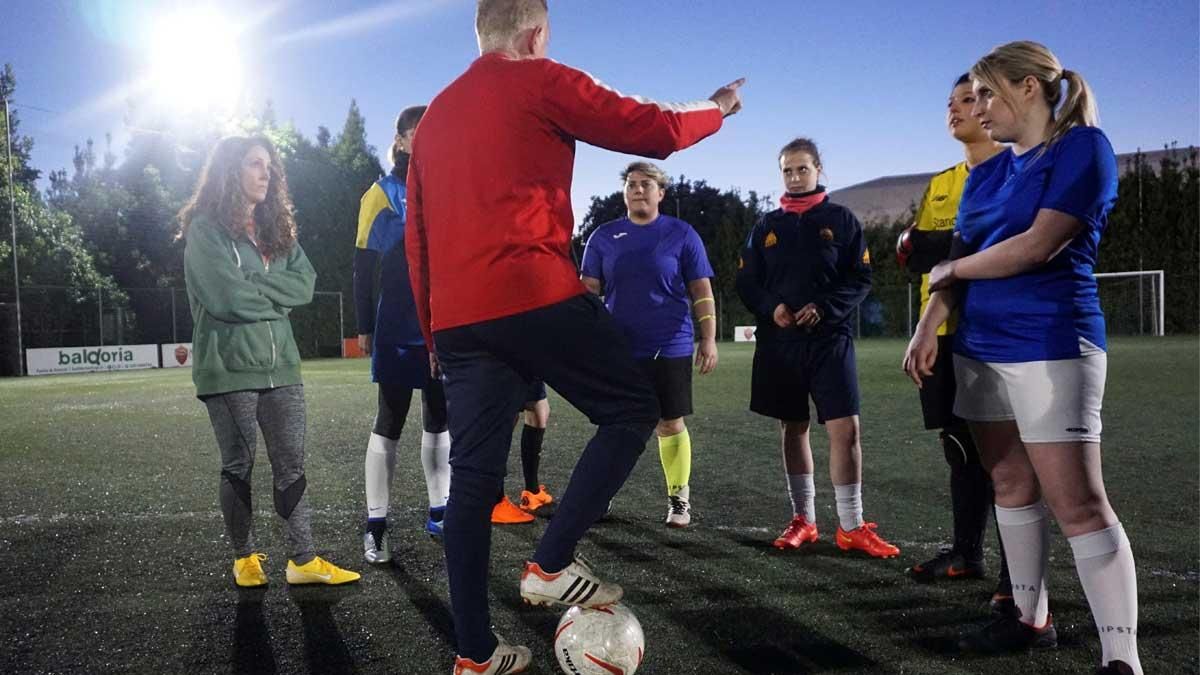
(864, 539)
(532, 501)
(507, 513)
(798, 532)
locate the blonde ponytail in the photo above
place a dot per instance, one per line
(1078, 110)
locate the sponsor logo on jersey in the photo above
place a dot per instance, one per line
(771, 240)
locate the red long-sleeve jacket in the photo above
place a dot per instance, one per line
(489, 182)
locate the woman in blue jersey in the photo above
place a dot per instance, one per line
(654, 274)
(399, 361)
(1029, 353)
(804, 269)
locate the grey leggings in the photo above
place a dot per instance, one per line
(280, 415)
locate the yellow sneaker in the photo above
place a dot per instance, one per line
(319, 571)
(248, 571)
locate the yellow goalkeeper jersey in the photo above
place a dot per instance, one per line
(939, 211)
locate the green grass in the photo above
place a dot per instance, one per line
(114, 557)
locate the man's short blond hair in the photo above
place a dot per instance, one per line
(649, 170)
(498, 22)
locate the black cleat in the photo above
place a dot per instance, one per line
(1115, 668)
(1008, 634)
(948, 564)
(1002, 603)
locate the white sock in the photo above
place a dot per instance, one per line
(1105, 564)
(849, 505)
(804, 495)
(435, 461)
(378, 468)
(1026, 536)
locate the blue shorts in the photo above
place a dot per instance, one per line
(400, 365)
(787, 372)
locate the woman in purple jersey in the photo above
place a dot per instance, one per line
(654, 274)
(1029, 353)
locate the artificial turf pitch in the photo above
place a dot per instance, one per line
(113, 557)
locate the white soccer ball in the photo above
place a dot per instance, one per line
(605, 641)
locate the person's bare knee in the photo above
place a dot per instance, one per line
(670, 427)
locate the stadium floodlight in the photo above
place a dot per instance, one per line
(194, 61)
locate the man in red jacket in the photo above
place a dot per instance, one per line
(500, 301)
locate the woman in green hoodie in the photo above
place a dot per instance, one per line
(245, 272)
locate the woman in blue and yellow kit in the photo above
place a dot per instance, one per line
(802, 272)
(1029, 353)
(920, 247)
(399, 361)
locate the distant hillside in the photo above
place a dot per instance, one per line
(887, 198)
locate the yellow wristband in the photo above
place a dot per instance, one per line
(706, 317)
(709, 299)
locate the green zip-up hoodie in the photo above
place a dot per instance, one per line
(242, 338)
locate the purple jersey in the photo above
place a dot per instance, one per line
(644, 271)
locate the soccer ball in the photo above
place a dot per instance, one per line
(604, 641)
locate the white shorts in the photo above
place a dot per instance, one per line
(1051, 401)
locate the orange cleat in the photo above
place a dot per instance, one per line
(532, 501)
(798, 532)
(506, 513)
(864, 539)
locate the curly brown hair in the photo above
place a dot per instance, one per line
(219, 196)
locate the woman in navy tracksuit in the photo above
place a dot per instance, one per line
(804, 269)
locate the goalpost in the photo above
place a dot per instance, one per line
(1133, 302)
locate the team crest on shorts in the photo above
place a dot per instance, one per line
(826, 234)
(771, 240)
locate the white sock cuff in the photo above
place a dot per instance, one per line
(381, 445)
(848, 490)
(1021, 515)
(430, 439)
(1099, 543)
(805, 479)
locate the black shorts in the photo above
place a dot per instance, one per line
(937, 390)
(672, 380)
(788, 372)
(535, 392)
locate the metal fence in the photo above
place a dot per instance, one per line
(63, 316)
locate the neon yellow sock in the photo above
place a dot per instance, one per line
(676, 455)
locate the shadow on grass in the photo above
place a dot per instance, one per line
(428, 601)
(325, 649)
(251, 651)
(764, 640)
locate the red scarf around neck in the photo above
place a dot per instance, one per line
(800, 203)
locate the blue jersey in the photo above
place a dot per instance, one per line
(1051, 312)
(644, 271)
(381, 220)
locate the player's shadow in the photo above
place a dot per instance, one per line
(763, 640)
(251, 650)
(429, 602)
(325, 649)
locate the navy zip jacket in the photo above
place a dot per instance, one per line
(819, 256)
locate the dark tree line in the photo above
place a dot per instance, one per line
(97, 250)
